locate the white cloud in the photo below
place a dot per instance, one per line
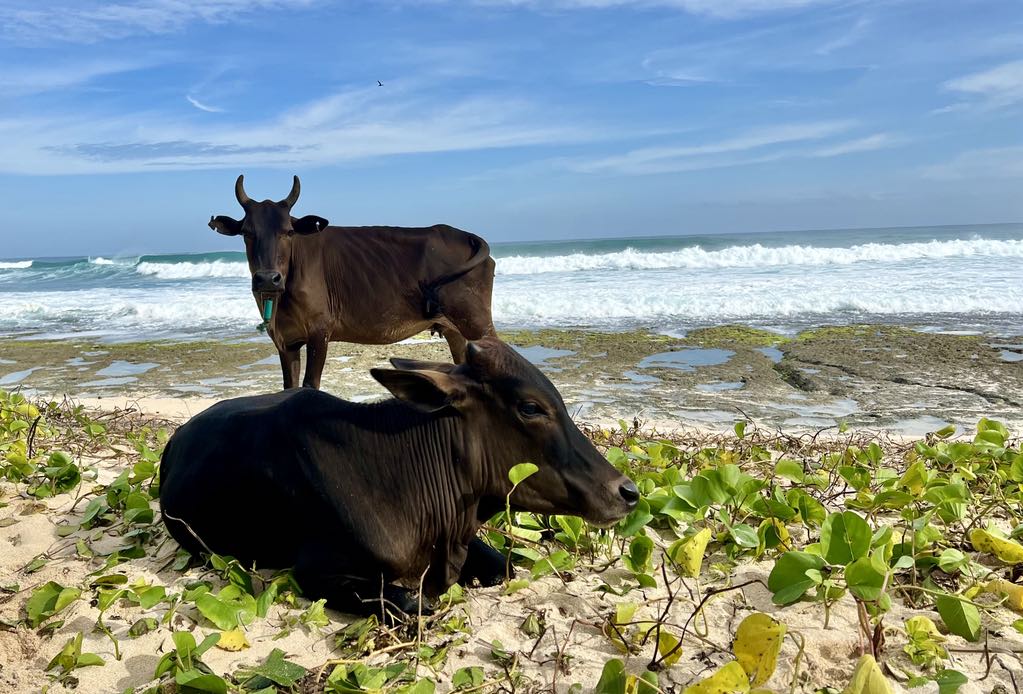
(37, 80)
(863, 144)
(685, 158)
(721, 9)
(329, 131)
(91, 21)
(849, 38)
(996, 87)
(995, 162)
(201, 106)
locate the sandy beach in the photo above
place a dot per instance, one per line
(822, 391)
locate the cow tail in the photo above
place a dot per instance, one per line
(481, 251)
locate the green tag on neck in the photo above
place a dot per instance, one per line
(268, 309)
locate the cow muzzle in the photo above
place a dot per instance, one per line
(267, 282)
(625, 495)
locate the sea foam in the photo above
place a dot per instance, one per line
(188, 270)
(758, 256)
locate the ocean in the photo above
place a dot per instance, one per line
(950, 278)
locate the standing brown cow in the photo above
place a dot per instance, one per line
(370, 285)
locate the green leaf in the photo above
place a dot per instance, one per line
(636, 519)
(744, 535)
(961, 618)
(949, 681)
(36, 564)
(142, 626)
(521, 472)
(866, 578)
(790, 470)
(640, 550)
(314, 615)
(788, 580)
(423, 686)
(150, 596)
(844, 537)
(556, 562)
(201, 681)
(280, 671)
(230, 608)
(47, 600)
(206, 644)
(612, 678)
(467, 677)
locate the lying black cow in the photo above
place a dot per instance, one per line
(356, 496)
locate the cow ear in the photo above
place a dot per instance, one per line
(427, 391)
(309, 224)
(225, 225)
(416, 365)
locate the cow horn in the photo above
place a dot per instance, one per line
(239, 191)
(292, 198)
(473, 350)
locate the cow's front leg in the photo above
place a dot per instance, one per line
(316, 357)
(483, 563)
(456, 343)
(345, 590)
(291, 365)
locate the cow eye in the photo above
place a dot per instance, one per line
(528, 408)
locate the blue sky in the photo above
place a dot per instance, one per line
(123, 125)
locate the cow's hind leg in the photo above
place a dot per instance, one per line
(465, 305)
(483, 563)
(353, 594)
(291, 364)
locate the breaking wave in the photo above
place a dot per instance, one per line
(758, 256)
(15, 264)
(190, 270)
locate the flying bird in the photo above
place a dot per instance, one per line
(379, 83)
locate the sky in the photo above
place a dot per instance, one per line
(123, 125)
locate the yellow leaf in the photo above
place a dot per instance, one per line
(665, 643)
(780, 530)
(913, 479)
(1007, 550)
(924, 626)
(728, 679)
(867, 678)
(756, 647)
(1009, 589)
(688, 553)
(233, 640)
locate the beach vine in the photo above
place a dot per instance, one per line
(877, 527)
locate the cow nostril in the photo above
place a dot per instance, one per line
(276, 279)
(629, 492)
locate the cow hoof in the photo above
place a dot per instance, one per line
(491, 580)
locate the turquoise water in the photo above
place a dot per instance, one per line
(963, 278)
